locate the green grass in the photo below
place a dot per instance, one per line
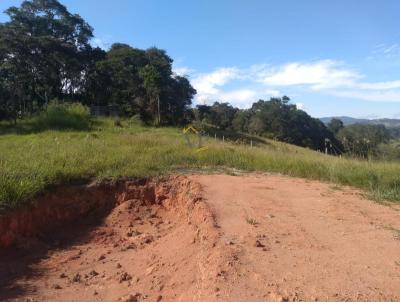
(72, 116)
(31, 162)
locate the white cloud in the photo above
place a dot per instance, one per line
(318, 75)
(273, 93)
(379, 85)
(331, 77)
(300, 106)
(242, 98)
(386, 50)
(207, 84)
(372, 96)
(243, 86)
(103, 43)
(182, 71)
(211, 86)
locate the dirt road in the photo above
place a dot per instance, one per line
(217, 238)
(316, 241)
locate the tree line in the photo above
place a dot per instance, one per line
(365, 140)
(276, 118)
(45, 55)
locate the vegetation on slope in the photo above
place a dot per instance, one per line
(31, 162)
(45, 55)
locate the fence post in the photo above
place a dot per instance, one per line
(223, 138)
(215, 136)
(251, 143)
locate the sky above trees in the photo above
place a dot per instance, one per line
(331, 57)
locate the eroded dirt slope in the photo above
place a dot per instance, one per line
(214, 238)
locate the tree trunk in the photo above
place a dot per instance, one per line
(158, 109)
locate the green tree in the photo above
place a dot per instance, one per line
(363, 140)
(241, 121)
(115, 80)
(280, 120)
(152, 84)
(43, 50)
(335, 125)
(202, 112)
(156, 80)
(179, 99)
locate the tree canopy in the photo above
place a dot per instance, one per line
(363, 140)
(335, 125)
(276, 119)
(45, 54)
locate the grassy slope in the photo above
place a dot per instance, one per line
(31, 162)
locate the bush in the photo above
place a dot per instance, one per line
(135, 121)
(72, 116)
(390, 151)
(118, 123)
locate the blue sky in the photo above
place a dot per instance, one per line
(337, 57)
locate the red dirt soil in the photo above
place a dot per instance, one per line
(205, 238)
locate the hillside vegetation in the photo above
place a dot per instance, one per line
(32, 161)
(48, 63)
(52, 79)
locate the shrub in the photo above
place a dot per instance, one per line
(72, 116)
(118, 123)
(135, 120)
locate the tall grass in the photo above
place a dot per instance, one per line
(30, 163)
(67, 116)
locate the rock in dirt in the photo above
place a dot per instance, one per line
(259, 244)
(56, 286)
(76, 278)
(124, 277)
(131, 298)
(93, 273)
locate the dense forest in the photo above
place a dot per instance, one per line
(46, 57)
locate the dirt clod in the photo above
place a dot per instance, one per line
(56, 286)
(93, 273)
(259, 244)
(124, 276)
(76, 278)
(130, 298)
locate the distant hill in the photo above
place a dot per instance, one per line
(347, 120)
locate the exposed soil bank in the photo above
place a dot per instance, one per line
(67, 204)
(202, 238)
(125, 241)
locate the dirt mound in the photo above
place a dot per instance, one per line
(125, 241)
(202, 238)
